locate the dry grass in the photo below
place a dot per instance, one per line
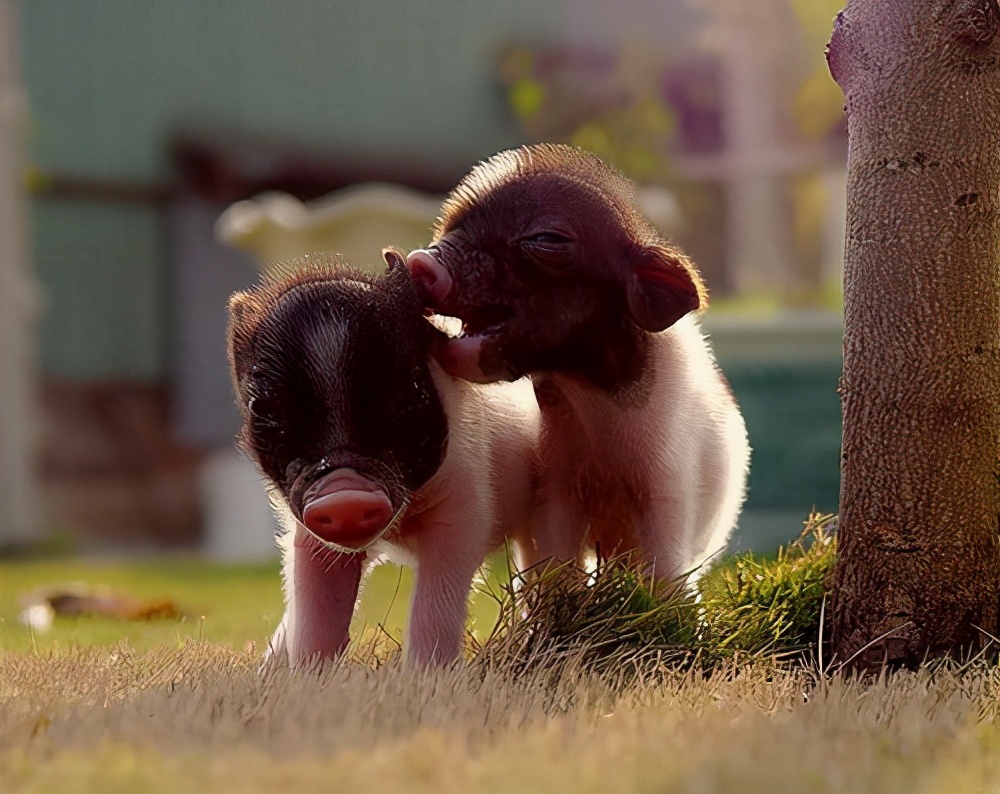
(591, 686)
(199, 718)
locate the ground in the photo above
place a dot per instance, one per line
(108, 707)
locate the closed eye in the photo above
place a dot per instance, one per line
(552, 251)
(549, 238)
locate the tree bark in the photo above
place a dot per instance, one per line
(919, 537)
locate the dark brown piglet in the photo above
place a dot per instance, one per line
(369, 449)
(544, 255)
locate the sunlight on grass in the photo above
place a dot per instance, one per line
(614, 622)
(748, 605)
(589, 684)
(235, 605)
(199, 718)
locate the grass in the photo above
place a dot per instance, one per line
(591, 686)
(771, 606)
(612, 621)
(197, 718)
(234, 605)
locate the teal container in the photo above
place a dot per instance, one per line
(784, 371)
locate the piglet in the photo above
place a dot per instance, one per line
(369, 450)
(544, 255)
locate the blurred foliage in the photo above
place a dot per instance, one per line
(610, 104)
(818, 107)
(613, 103)
(659, 119)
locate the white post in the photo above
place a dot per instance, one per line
(747, 38)
(18, 304)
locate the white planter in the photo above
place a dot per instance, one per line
(238, 525)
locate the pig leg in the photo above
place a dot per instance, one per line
(449, 553)
(559, 527)
(321, 597)
(664, 532)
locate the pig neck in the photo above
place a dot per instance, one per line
(612, 390)
(610, 357)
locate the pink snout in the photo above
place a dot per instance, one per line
(432, 278)
(347, 509)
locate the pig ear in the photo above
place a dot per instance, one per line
(394, 259)
(398, 275)
(662, 287)
(244, 310)
(243, 306)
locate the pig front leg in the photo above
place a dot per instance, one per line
(450, 551)
(322, 593)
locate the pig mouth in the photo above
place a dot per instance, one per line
(476, 353)
(486, 320)
(346, 512)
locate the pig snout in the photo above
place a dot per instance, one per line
(432, 279)
(346, 509)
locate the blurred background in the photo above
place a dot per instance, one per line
(155, 156)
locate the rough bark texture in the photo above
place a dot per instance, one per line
(919, 571)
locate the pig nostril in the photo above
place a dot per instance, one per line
(346, 515)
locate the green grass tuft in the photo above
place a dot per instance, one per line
(770, 606)
(606, 622)
(614, 621)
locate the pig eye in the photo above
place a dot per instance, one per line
(549, 238)
(551, 250)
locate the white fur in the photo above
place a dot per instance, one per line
(481, 495)
(665, 474)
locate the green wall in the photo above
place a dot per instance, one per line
(109, 79)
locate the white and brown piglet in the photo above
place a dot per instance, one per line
(544, 255)
(369, 449)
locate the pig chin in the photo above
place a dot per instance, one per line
(475, 357)
(477, 354)
(345, 510)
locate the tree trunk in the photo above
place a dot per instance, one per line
(919, 537)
